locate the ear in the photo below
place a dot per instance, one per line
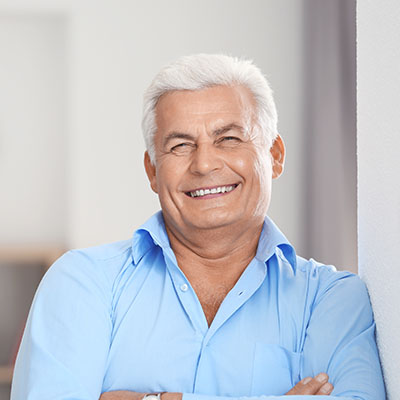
(150, 171)
(278, 157)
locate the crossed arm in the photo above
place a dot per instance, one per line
(348, 355)
(65, 358)
(318, 385)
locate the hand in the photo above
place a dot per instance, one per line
(318, 385)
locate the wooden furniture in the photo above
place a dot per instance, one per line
(26, 256)
(29, 254)
(6, 374)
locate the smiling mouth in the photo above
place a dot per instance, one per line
(212, 192)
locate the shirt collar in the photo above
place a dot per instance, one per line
(153, 232)
(271, 239)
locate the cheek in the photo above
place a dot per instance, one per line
(252, 168)
(242, 161)
(164, 173)
(169, 175)
(263, 173)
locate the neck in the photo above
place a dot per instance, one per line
(214, 254)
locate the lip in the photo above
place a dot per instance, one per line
(211, 195)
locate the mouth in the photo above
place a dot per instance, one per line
(211, 192)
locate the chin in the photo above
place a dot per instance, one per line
(213, 219)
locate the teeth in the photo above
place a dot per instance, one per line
(204, 192)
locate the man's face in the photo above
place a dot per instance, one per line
(210, 171)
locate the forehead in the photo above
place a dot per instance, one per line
(182, 109)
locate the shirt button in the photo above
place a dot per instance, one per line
(184, 287)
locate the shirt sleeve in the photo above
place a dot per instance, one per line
(340, 339)
(65, 345)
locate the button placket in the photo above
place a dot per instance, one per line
(187, 297)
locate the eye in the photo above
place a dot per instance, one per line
(182, 148)
(229, 140)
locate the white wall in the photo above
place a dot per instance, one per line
(378, 173)
(32, 129)
(114, 50)
(117, 48)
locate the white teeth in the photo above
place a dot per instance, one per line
(204, 192)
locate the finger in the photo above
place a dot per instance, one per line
(309, 386)
(297, 388)
(326, 389)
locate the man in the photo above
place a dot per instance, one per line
(209, 300)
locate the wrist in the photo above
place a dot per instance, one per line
(171, 396)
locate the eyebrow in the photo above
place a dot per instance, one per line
(216, 132)
(227, 128)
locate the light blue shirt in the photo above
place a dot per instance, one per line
(123, 316)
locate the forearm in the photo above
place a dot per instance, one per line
(126, 395)
(306, 389)
(191, 396)
(129, 395)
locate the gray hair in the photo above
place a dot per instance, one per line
(202, 71)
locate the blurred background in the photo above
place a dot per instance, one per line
(72, 76)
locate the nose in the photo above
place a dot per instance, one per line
(205, 159)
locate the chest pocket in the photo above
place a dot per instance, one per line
(275, 371)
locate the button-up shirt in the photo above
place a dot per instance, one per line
(123, 316)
